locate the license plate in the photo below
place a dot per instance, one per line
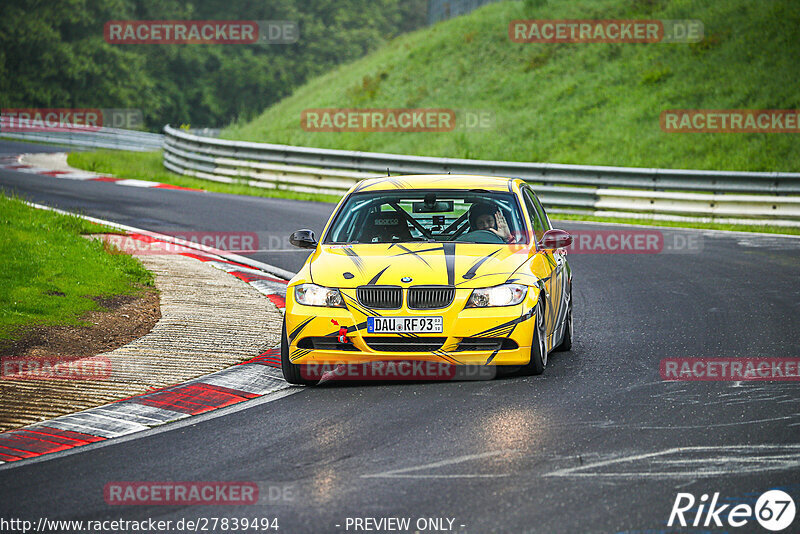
(404, 325)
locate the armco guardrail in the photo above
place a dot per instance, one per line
(720, 195)
(91, 137)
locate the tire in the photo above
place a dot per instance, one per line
(291, 371)
(566, 341)
(538, 344)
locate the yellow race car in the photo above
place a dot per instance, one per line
(455, 269)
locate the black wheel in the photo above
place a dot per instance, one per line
(566, 341)
(291, 371)
(538, 344)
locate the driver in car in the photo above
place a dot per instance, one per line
(487, 216)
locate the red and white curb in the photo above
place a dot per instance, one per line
(251, 379)
(13, 163)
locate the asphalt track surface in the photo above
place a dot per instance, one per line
(599, 443)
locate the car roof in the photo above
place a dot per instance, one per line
(435, 181)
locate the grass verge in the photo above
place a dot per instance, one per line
(51, 273)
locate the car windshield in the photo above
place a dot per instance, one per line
(472, 216)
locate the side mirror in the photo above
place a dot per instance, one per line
(303, 239)
(555, 239)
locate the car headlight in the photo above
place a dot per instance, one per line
(504, 295)
(314, 295)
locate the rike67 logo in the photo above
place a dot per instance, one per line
(774, 510)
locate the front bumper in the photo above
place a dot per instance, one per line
(510, 327)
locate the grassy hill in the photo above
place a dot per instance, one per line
(570, 103)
